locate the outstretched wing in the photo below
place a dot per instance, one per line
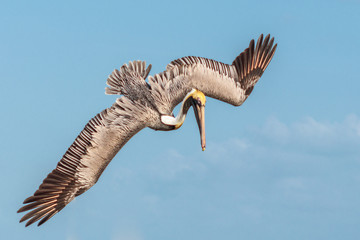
(86, 159)
(229, 83)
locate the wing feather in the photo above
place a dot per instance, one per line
(85, 160)
(229, 83)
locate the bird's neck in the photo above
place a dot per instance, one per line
(180, 118)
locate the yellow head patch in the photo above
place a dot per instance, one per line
(199, 95)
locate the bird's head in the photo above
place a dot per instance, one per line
(197, 100)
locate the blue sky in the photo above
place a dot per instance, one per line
(285, 165)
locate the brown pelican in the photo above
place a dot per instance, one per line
(145, 104)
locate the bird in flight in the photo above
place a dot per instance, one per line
(144, 104)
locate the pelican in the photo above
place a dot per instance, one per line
(145, 104)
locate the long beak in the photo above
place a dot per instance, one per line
(199, 111)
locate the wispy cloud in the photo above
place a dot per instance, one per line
(171, 163)
(269, 144)
(303, 139)
(311, 134)
(275, 130)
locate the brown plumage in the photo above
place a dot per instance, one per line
(229, 83)
(144, 104)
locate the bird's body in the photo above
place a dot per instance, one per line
(145, 104)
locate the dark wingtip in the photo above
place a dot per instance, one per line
(275, 46)
(260, 39)
(252, 43)
(20, 210)
(29, 199)
(22, 219)
(252, 62)
(28, 224)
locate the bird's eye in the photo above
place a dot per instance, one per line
(198, 101)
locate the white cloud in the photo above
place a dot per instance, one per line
(309, 128)
(275, 130)
(270, 143)
(310, 134)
